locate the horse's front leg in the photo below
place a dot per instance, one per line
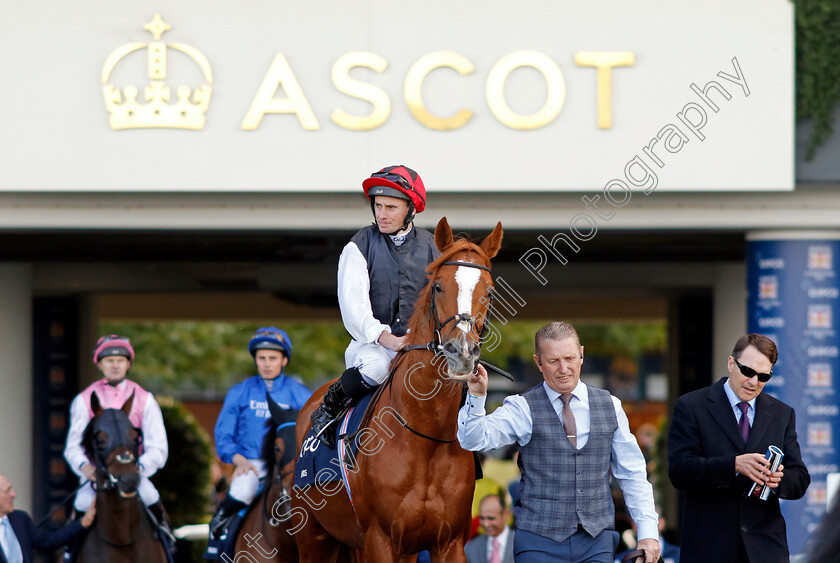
(378, 546)
(452, 553)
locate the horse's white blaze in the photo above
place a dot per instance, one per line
(467, 278)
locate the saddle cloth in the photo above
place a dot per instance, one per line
(319, 464)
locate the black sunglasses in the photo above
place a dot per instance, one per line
(750, 372)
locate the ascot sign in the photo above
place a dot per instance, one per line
(188, 112)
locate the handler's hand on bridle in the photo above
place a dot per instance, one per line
(478, 381)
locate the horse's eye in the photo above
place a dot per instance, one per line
(101, 439)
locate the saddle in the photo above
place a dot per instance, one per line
(225, 544)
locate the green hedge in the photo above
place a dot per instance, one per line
(184, 482)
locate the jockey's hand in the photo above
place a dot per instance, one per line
(87, 519)
(478, 381)
(754, 466)
(242, 466)
(391, 342)
(89, 471)
(652, 549)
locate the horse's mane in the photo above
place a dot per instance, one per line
(420, 318)
(267, 450)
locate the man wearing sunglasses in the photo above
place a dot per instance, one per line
(381, 272)
(113, 356)
(716, 450)
(241, 425)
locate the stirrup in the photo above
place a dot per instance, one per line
(327, 425)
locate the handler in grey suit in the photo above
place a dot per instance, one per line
(496, 544)
(571, 438)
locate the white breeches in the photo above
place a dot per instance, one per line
(85, 496)
(373, 360)
(245, 487)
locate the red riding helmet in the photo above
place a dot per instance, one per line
(397, 181)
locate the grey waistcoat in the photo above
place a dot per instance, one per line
(562, 486)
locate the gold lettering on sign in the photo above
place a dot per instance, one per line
(127, 113)
(555, 91)
(280, 74)
(604, 62)
(362, 90)
(414, 89)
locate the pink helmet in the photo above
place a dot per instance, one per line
(113, 345)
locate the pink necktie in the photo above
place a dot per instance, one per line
(495, 557)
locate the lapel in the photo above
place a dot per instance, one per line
(764, 413)
(723, 415)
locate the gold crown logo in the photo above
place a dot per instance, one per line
(185, 113)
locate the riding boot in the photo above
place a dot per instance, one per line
(159, 512)
(227, 508)
(350, 387)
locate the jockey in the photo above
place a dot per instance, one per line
(381, 272)
(242, 422)
(113, 356)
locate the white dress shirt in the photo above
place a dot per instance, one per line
(9, 542)
(512, 422)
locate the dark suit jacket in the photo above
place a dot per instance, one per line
(476, 549)
(31, 537)
(716, 517)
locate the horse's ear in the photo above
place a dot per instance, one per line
(492, 242)
(95, 405)
(276, 411)
(126, 408)
(443, 235)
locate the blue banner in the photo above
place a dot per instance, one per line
(793, 290)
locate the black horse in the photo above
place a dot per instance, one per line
(122, 532)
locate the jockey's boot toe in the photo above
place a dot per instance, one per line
(321, 418)
(227, 508)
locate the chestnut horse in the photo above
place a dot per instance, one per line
(264, 530)
(122, 532)
(411, 483)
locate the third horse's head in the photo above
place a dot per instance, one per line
(112, 443)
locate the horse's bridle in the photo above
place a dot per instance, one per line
(438, 326)
(123, 458)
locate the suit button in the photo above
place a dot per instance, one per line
(579, 492)
(578, 509)
(744, 529)
(580, 472)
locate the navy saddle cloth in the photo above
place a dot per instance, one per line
(316, 459)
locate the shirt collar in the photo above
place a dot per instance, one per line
(580, 391)
(733, 398)
(503, 538)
